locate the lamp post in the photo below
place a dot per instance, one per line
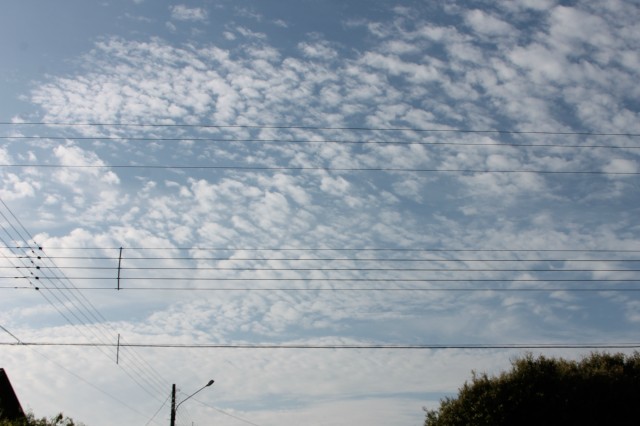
(174, 407)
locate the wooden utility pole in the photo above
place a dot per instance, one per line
(173, 405)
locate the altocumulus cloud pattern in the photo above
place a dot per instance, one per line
(336, 211)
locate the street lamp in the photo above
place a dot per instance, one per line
(174, 407)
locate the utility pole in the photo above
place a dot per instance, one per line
(173, 405)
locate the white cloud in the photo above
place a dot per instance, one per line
(537, 5)
(182, 12)
(15, 187)
(489, 71)
(69, 155)
(318, 50)
(335, 186)
(418, 73)
(573, 29)
(486, 24)
(247, 33)
(281, 23)
(621, 165)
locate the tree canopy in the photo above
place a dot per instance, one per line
(31, 420)
(597, 390)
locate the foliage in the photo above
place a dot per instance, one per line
(600, 389)
(31, 420)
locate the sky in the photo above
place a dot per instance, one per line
(336, 210)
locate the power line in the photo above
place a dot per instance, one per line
(91, 384)
(77, 376)
(183, 417)
(248, 269)
(325, 259)
(626, 345)
(56, 296)
(156, 413)
(312, 168)
(195, 269)
(83, 318)
(294, 127)
(433, 260)
(78, 306)
(391, 249)
(10, 334)
(372, 289)
(312, 141)
(134, 264)
(328, 279)
(325, 280)
(226, 414)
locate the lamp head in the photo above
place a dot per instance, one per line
(210, 383)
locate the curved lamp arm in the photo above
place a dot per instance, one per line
(208, 384)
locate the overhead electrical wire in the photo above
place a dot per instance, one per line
(297, 279)
(79, 377)
(73, 301)
(321, 269)
(225, 413)
(183, 416)
(56, 281)
(152, 419)
(312, 168)
(360, 289)
(309, 127)
(136, 259)
(425, 250)
(311, 141)
(484, 346)
(35, 283)
(257, 168)
(77, 313)
(83, 310)
(159, 409)
(34, 269)
(332, 259)
(221, 268)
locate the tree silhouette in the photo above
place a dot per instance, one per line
(31, 420)
(601, 389)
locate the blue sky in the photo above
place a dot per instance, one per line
(312, 174)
